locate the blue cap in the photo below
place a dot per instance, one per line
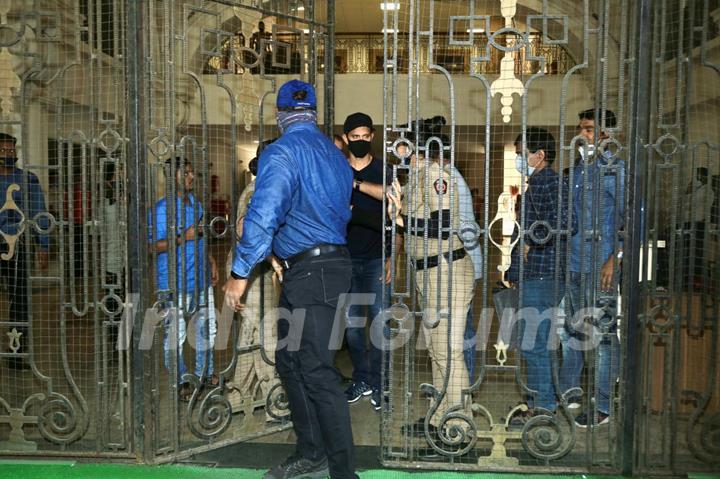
(296, 95)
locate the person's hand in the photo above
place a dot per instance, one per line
(277, 267)
(394, 196)
(607, 272)
(234, 290)
(191, 234)
(388, 264)
(527, 250)
(42, 260)
(214, 273)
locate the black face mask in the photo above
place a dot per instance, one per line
(359, 148)
(8, 162)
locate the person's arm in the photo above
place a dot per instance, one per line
(614, 209)
(374, 190)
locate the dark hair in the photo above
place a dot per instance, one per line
(6, 137)
(253, 164)
(177, 161)
(589, 114)
(538, 139)
(434, 148)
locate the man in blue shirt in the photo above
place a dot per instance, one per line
(189, 291)
(535, 264)
(299, 212)
(598, 183)
(23, 188)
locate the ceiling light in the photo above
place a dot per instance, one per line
(388, 30)
(301, 8)
(306, 31)
(389, 6)
(475, 30)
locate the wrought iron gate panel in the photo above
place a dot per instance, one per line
(64, 383)
(678, 416)
(434, 65)
(212, 78)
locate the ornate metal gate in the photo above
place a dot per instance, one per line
(100, 118)
(116, 105)
(629, 281)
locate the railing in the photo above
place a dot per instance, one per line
(365, 54)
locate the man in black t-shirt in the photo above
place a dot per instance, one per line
(366, 250)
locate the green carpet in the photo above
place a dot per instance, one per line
(69, 470)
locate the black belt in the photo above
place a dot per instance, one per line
(432, 261)
(311, 253)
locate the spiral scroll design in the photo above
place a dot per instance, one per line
(214, 414)
(277, 405)
(545, 438)
(58, 420)
(456, 434)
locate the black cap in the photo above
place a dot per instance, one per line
(356, 120)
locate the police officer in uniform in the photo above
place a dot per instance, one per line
(300, 211)
(445, 311)
(261, 301)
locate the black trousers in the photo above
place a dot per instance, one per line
(15, 274)
(304, 360)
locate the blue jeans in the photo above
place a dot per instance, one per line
(575, 342)
(537, 315)
(366, 359)
(470, 344)
(204, 321)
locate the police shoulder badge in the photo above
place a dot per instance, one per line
(440, 186)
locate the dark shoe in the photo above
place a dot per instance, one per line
(376, 399)
(356, 390)
(417, 429)
(298, 467)
(520, 418)
(185, 392)
(582, 419)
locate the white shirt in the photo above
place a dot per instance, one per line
(469, 229)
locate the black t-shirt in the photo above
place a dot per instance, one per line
(363, 242)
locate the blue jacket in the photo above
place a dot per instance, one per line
(302, 198)
(599, 197)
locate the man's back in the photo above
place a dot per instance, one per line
(302, 191)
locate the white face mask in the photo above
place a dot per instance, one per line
(522, 165)
(586, 152)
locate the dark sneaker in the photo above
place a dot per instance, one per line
(356, 390)
(376, 399)
(297, 467)
(582, 420)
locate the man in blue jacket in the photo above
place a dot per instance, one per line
(23, 189)
(299, 212)
(597, 183)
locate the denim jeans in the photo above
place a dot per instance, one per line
(470, 343)
(366, 359)
(205, 325)
(575, 343)
(539, 300)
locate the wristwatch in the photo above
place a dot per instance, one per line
(356, 184)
